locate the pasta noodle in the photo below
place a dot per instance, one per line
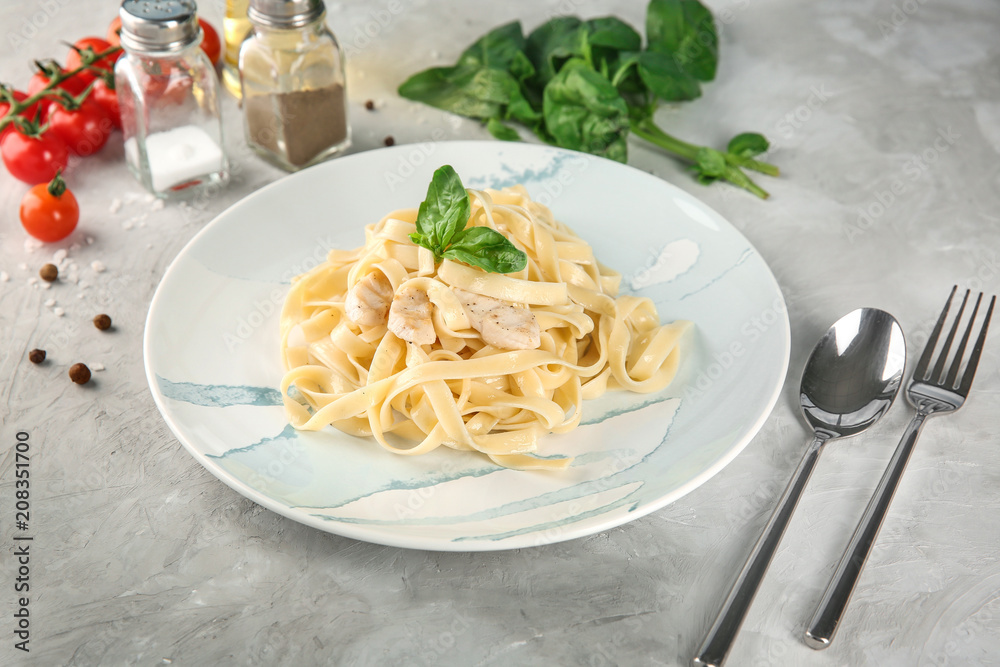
(350, 371)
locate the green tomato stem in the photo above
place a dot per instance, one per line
(86, 61)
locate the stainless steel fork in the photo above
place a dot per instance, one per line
(932, 392)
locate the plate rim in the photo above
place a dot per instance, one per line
(359, 531)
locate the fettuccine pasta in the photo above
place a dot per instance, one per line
(558, 334)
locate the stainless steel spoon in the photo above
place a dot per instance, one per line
(849, 382)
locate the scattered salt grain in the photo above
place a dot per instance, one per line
(46, 285)
(4, 276)
(149, 199)
(98, 266)
(80, 295)
(116, 205)
(31, 245)
(89, 240)
(50, 303)
(75, 246)
(58, 312)
(32, 280)
(22, 266)
(83, 285)
(157, 205)
(59, 255)
(97, 367)
(128, 224)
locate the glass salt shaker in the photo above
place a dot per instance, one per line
(169, 98)
(293, 84)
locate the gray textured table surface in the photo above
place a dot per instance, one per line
(887, 121)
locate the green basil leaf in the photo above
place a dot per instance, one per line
(488, 249)
(748, 144)
(551, 44)
(685, 30)
(495, 49)
(666, 79)
(584, 112)
(444, 212)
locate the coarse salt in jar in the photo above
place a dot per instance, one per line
(169, 97)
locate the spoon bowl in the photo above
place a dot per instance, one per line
(850, 380)
(853, 373)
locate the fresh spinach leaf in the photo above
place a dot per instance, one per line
(444, 211)
(552, 44)
(612, 33)
(583, 111)
(488, 249)
(606, 38)
(665, 78)
(748, 144)
(685, 30)
(495, 49)
(501, 131)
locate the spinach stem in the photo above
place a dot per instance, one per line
(648, 130)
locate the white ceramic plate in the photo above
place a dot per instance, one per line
(212, 359)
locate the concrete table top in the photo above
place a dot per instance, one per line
(886, 121)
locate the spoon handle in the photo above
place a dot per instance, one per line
(720, 638)
(833, 604)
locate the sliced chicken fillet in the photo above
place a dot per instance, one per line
(410, 316)
(368, 301)
(501, 324)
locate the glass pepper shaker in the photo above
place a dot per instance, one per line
(293, 84)
(169, 98)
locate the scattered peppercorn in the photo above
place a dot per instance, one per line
(49, 272)
(370, 105)
(36, 356)
(79, 373)
(389, 141)
(102, 322)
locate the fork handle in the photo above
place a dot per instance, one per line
(833, 604)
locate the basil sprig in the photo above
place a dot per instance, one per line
(441, 229)
(587, 85)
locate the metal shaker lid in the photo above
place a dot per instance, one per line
(284, 13)
(158, 25)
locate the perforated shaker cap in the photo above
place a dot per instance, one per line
(284, 13)
(158, 25)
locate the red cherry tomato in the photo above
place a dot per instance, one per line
(84, 130)
(28, 113)
(49, 212)
(116, 27)
(98, 45)
(33, 159)
(210, 43)
(107, 99)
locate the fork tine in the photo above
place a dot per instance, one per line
(920, 372)
(938, 373)
(960, 352)
(977, 350)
